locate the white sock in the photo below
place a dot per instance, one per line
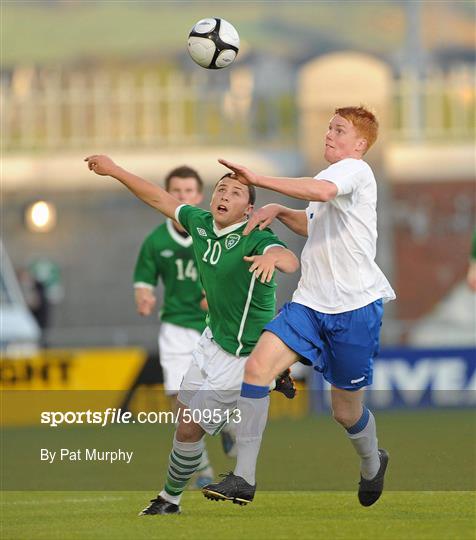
(364, 440)
(249, 432)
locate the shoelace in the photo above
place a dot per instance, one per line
(225, 475)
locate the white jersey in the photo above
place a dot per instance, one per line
(339, 272)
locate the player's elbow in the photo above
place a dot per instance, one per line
(324, 191)
(289, 263)
(326, 196)
(294, 264)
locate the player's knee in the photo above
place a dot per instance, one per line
(252, 368)
(188, 432)
(255, 371)
(343, 416)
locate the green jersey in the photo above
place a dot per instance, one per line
(168, 255)
(239, 305)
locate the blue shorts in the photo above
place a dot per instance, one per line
(341, 346)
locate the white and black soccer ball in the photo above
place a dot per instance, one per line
(213, 43)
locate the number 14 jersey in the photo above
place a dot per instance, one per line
(165, 254)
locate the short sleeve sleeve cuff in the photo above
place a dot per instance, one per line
(271, 246)
(177, 213)
(143, 285)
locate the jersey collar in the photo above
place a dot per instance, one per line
(185, 242)
(226, 230)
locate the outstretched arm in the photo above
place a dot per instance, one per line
(306, 188)
(151, 194)
(296, 220)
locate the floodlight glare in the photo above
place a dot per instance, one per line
(40, 216)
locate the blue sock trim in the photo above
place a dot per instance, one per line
(254, 391)
(361, 422)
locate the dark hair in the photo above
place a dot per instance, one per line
(184, 172)
(251, 189)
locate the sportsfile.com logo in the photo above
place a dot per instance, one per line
(112, 415)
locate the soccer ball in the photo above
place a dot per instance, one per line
(213, 43)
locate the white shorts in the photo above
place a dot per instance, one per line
(176, 346)
(212, 384)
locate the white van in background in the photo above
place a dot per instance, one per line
(19, 332)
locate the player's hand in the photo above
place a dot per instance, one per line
(204, 304)
(263, 266)
(102, 165)
(145, 301)
(262, 218)
(240, 173)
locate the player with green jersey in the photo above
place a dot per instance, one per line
(168, 254)
(239, 304)
(237, 274)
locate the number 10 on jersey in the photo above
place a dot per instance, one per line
(215, 252)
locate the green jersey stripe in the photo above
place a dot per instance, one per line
(245, 315)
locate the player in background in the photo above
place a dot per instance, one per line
(237, 274)
(167, 254)
(334, 319)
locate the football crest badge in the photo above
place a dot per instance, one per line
(231, 240)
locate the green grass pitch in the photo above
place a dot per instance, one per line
(280, 515)
(307, 479)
